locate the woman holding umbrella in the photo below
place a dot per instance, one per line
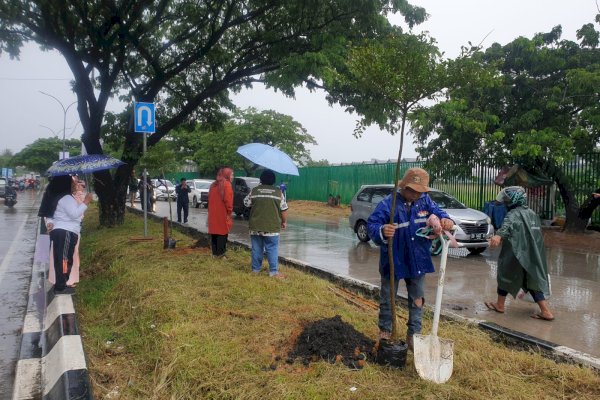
(63, 219)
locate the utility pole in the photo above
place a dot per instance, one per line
(64, 120)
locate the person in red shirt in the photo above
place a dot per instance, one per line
(220, 207)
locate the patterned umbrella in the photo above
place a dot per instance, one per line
(84, 164)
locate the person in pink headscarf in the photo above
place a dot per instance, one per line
(220, 208)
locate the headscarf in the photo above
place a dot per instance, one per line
(223, 175)
(58, 187)
(512, 196)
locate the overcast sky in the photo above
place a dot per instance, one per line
(453, 23)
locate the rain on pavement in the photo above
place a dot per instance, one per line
(330, 244)
(17, 242)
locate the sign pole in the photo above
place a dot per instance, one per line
(145, 205)
(144, 126)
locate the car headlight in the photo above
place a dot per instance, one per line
(488, 220)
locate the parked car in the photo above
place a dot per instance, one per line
(199, 194)
(474, 227)
(241, 187)
(163, 189)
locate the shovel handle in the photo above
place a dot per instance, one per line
(440, 287)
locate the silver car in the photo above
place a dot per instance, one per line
(474, 227)
(163, 189)
(199, 194)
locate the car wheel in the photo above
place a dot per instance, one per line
(195, 202)
(362, 232)
(476, 250)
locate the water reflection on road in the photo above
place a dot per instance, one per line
(330, 244)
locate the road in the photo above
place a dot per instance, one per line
(330, 244)
(17, 243)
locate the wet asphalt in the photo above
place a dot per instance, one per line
(330, 244)
(17, 243)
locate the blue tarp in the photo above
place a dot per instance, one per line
(496, 211)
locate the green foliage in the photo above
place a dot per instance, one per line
(215, 148)
(186, 56)
(6, 159)
(39, 155)
(386, 77)
(531, 99)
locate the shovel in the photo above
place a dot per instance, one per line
(434, 356)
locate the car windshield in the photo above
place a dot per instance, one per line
(162, 182)
(444, 200)
(202, 185)
(252, 183)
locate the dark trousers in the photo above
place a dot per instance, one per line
(63, 245)
(218, 244)
(186, 211)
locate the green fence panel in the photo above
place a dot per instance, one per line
(317, 183)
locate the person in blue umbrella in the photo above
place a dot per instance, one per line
(62, 214)
(268, 215)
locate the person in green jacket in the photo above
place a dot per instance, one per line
(522, 260)
(268, 216)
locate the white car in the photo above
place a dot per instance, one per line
(474, 227)
(162, 192)
(199, 194)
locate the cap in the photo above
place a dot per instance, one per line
(417, 179)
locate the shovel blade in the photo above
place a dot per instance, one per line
(434, 357)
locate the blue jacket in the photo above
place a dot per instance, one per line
(412, 257)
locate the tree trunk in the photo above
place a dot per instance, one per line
(574, 222)
(112, 188)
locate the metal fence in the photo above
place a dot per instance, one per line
(318, 183)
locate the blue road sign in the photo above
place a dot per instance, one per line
(144, 118)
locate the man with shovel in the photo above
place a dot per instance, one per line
(411, 252)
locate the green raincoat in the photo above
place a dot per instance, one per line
(522, 260)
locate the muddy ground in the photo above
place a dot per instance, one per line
(587, 242)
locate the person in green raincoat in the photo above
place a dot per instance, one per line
(522, 260)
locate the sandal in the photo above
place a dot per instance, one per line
(493, 307)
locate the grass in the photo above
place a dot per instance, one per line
(179, 324)
(316, 208)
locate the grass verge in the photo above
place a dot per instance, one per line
(179, 324)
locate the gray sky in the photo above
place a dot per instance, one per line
(453, 23)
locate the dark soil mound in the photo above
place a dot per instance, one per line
(331, 339)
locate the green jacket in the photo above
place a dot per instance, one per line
(265, 214)
(522, 260)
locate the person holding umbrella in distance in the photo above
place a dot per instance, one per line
(63, 216)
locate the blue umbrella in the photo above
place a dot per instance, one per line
(83, 164)
(269, 157)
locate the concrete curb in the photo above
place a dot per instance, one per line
(51, 362)
(548, 349)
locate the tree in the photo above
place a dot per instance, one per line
(39, 155)
(6, 159)
(385, 79)
(185, 55)
(533, 102)
(216, 148)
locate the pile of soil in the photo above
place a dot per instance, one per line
(332, 340)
